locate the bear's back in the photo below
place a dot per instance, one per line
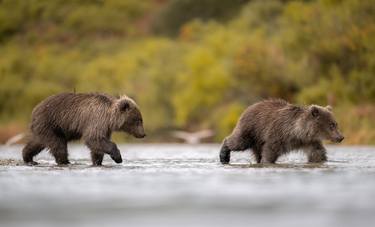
(262, 112)
(70, 111)
(265, 116)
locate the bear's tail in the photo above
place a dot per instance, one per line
(224, 153)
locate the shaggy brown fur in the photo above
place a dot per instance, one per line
(274, 127)
(92, 117)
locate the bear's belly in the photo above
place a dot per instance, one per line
(72, 136)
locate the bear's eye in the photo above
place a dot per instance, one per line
(332, 125)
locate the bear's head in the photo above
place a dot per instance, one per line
(323, 124)
(130, 118)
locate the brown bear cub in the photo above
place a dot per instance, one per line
(274, 127)
(92, 117)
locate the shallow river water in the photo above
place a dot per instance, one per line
(184, 185)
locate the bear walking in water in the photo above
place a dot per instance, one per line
(274, 127)
(92, 117)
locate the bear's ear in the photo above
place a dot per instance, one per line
(314, 111)
(329, 108)
(124, 105)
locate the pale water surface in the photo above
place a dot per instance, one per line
(182, 185)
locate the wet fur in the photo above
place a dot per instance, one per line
(93, 117)
(272, 128)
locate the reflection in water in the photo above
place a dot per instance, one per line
(182, 185)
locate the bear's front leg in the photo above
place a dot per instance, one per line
(106, 146)
(97, 158)
(271, 152)
(316, 153)
(114, 152)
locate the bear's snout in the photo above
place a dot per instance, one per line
(141, 136)
(340, 139)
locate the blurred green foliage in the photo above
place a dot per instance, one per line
(222, 56)
(179, 12)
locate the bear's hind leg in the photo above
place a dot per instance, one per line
(232, 143)
(31, 149)
(257, 155)
(224, 154)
